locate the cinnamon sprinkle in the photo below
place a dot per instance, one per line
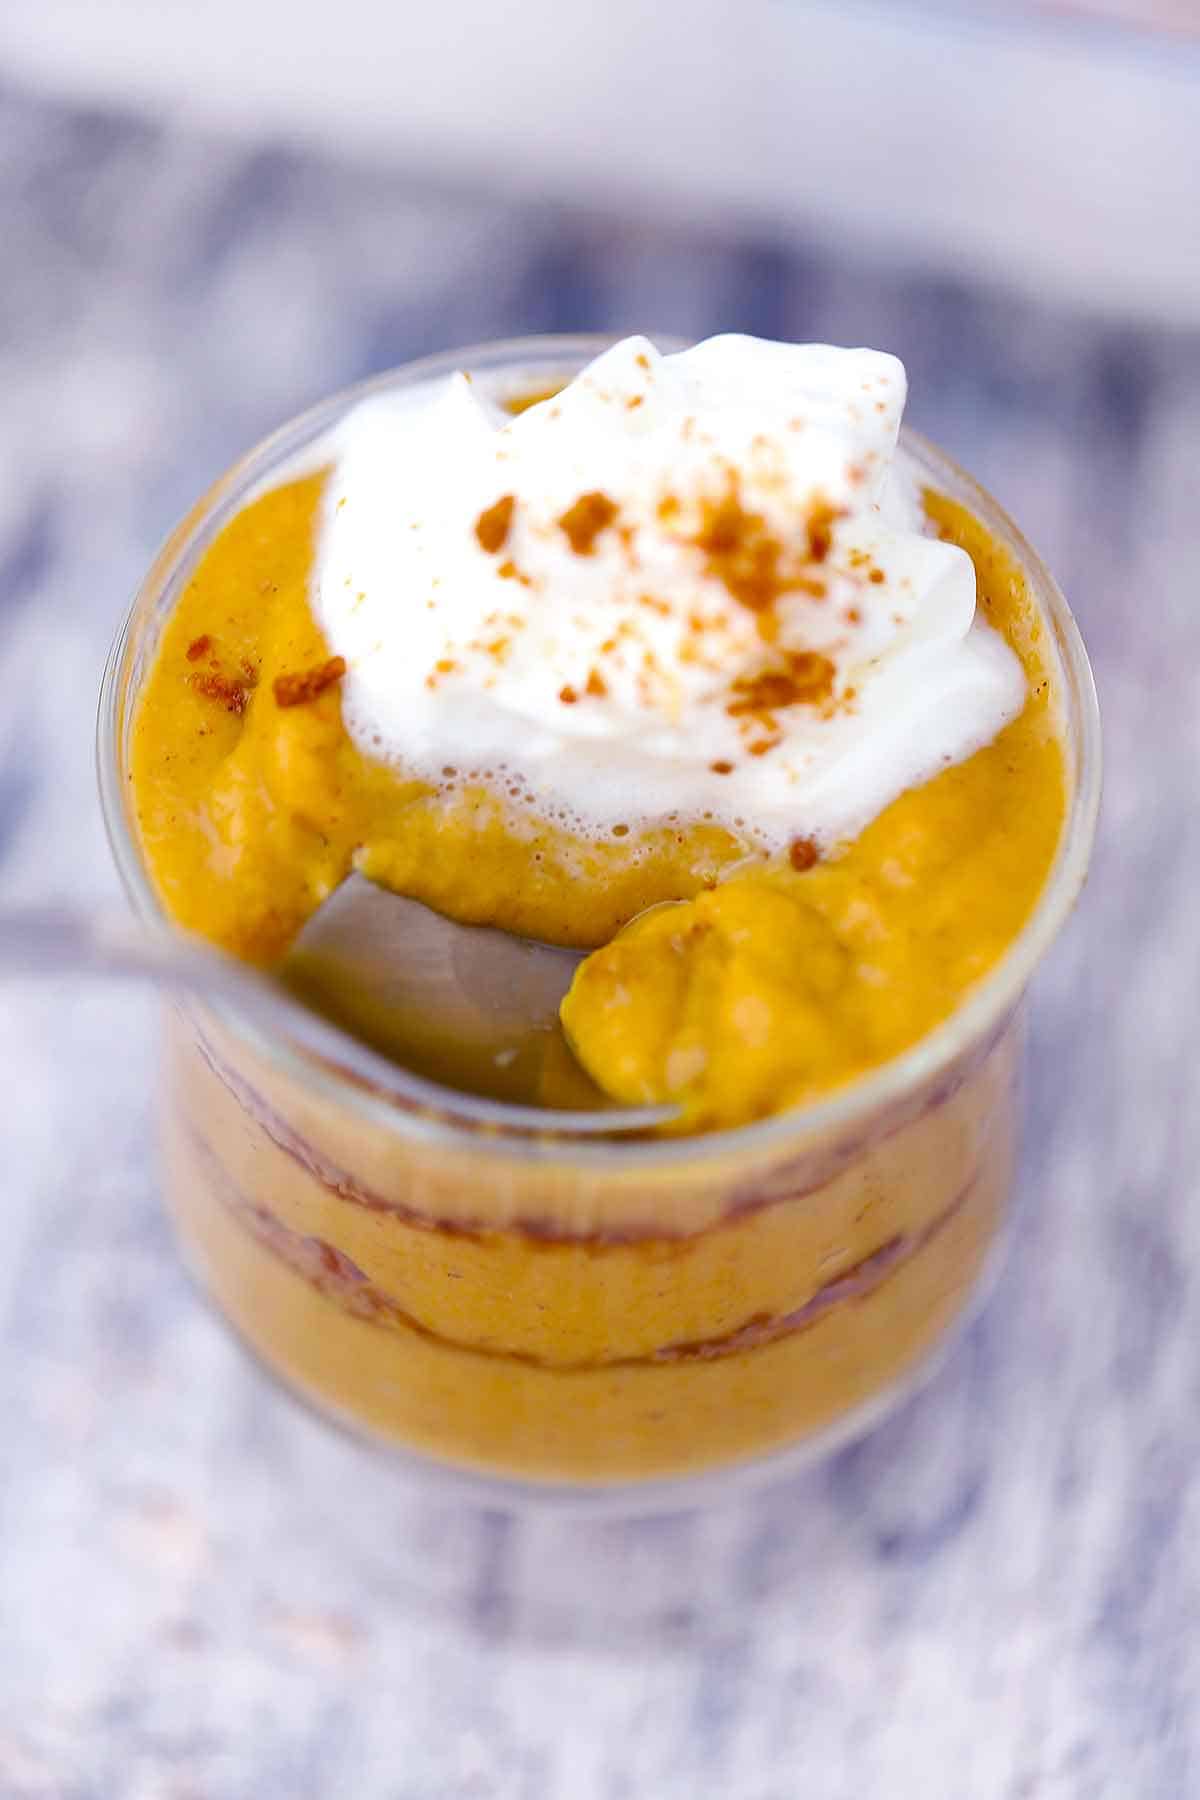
(583, 522)
(807, 679)
(492, 525)
(802, 854)
(744, 554)
(198, 647)
(821, 520)
(231, 694)
(299, 689)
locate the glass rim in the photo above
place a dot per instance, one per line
(980, 1012)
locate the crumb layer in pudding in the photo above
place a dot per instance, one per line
(566, 1327)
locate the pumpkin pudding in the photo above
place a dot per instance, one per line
(680, 666)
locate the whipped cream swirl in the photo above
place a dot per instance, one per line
(693, 586)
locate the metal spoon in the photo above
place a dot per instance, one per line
(462, 1018)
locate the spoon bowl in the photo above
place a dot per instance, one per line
(469, 1007)
(459, 1018)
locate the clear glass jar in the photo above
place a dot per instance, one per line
(598, 1322)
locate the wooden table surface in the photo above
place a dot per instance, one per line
(206, 1596)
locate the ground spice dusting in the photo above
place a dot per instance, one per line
(721, 768)
(230, 694)
(743, 553)
(802, 854)
(821, 521)
(492, 525)
(299, 689)
(583, 522)
(762, 693)
(197, 648)
(806, 679)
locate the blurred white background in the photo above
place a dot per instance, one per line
(1055, 148)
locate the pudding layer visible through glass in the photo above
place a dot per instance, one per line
(602, 1313)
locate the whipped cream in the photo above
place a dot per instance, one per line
(692, 586)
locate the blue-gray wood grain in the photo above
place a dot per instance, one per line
(204, 1595)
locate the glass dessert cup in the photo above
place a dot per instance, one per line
(621, 1323)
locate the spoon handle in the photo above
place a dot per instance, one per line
(51, 940)
(47, 940)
